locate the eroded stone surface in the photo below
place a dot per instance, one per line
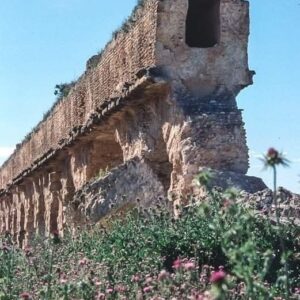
(131, 182)
(263, 201)
(226, 180)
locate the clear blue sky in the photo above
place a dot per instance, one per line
(45, 42)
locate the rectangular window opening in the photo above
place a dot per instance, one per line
(203, 23)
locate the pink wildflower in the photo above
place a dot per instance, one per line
(100, 296)
(109, 291)
(63, 281)
(149, 279)
(121, 288)
(147, 289)
(189, 266)
(83, 262)
(163, 275)
(177, 264)
(273, 158)
(217, 277)
(135, 278)
(25, 295)
(272, 153)
(98, 283)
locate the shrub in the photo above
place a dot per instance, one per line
(62, 90)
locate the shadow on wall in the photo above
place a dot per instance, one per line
(203, 23)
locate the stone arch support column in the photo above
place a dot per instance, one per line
(26, 191)
(5, 213)
(204, 132)
(140, 135)
(39, 205)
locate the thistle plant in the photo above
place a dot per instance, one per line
(274, 159)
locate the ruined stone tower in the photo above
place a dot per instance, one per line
(154, 107)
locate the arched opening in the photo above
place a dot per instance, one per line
(40, 208)
(104, 154)
(203, 23)
(22, 231)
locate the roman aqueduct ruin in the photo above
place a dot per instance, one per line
(158, 104)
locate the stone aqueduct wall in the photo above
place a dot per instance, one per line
(152, 111)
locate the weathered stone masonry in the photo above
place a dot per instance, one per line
(158, 104)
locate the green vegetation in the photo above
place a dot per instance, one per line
(62, 90)
(214, 250)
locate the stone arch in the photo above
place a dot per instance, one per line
(140, 135)
(92, 158)
(105, 154)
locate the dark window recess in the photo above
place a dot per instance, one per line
(203, 23)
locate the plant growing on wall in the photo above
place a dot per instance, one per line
(62, 90)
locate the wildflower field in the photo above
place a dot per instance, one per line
(213, 250)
